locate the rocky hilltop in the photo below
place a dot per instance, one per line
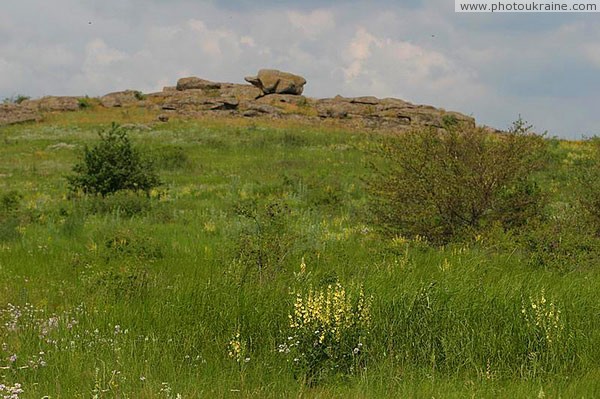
(269, 94)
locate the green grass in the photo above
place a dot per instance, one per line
(140, 297)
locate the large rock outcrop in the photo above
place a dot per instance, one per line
(272, 81)
(388, 110)
(272, 94)
(53, 104)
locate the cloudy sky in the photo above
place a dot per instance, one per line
(545, 67)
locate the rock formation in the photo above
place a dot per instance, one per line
(272, 94)
(272, 81)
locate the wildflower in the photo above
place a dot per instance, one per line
(327, 324)
(237, 348)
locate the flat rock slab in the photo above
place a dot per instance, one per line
(14, 113)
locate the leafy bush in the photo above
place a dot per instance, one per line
(111, 165)
(327, 333)
(84, 102)
(443, 185)
(139, 95)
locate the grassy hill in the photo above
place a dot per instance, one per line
(189, 291)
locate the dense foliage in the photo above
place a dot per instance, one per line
(112, 165)
(445, 185)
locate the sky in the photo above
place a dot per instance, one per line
(495, 67)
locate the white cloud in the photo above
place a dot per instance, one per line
(312, 24)
(98, 54)
(388, 67)
(359, 50)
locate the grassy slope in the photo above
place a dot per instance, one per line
(447, 322)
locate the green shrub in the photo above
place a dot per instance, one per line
(112, 165)
(84, 102)
(445, 185)
(139, 95)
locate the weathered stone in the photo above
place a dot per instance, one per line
(283, 99)
(251, 109)
(121, 98)
(241, 92)
(193, 82)
(195, 100)
(163, 118)
(341, 107)
(367, 100)
(387, 112)
(53, 103)
(271, 81)
(13, 113)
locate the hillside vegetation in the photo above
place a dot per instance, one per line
(261, 266)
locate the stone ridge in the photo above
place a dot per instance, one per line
(272, 94)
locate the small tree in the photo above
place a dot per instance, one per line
(111, 165)
(441, 185)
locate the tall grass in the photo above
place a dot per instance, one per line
(100, 302)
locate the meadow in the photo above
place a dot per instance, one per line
(205, 287)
